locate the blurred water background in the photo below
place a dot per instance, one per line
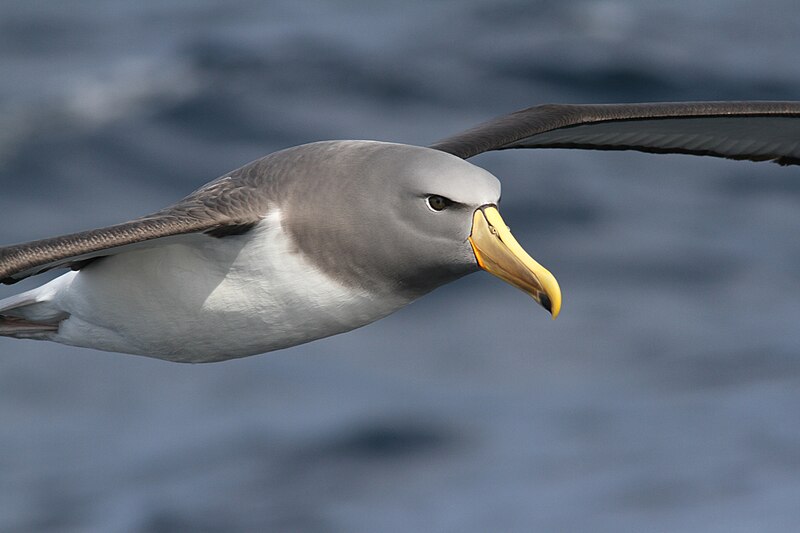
(665, 398)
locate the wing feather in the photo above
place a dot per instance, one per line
(230, 205)
(756, 131)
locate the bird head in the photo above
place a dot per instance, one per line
(405, 219)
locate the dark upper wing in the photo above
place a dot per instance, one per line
(229, 205)
(758, 131)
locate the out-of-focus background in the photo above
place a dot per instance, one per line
(665, 398)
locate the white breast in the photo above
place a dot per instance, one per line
(199, 298)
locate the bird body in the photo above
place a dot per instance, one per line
(203, 298)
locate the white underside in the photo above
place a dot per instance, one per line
(200, 299)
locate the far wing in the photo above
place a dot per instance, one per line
(756, 131)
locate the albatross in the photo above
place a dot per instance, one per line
(327, 237)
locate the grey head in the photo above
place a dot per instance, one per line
(386, 218)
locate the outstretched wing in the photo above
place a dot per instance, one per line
(226, 206)
(756, 131)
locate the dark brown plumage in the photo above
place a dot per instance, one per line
(573, 125)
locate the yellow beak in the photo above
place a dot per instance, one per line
(499, 253)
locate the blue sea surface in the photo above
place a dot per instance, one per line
(665, 398)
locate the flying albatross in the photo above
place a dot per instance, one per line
(326, 237)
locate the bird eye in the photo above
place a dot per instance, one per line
(437, 203)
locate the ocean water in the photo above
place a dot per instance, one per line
(665, 397)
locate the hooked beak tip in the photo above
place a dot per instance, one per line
(544, 299)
